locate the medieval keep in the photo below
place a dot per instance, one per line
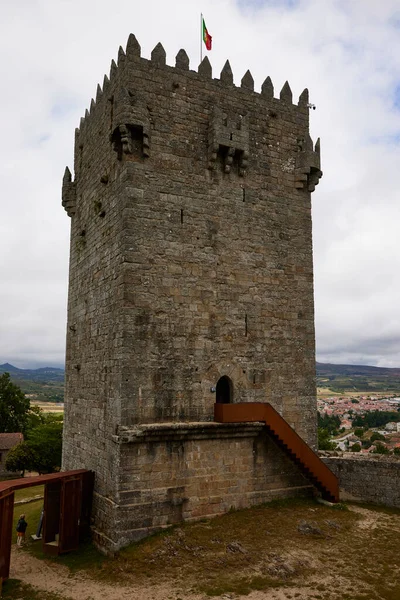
(191, 283)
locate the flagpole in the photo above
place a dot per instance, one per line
(201, 38)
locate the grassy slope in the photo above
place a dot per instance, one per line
(340, 558)
(357, 378)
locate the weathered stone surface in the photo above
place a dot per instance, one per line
(373, 479)
(121, 55)
(113, 69)
(106, 83)
(182, 60)
(132, 47)
(190, 472)
(181, 275)
(228, 140)
(247, 81)
(205, 68)
(308, 164)
(68, 193)
(286, 93)
(158, 55)
(303, 98)
(267, 88)
(226, 74)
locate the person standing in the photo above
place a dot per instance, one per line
(21, 528)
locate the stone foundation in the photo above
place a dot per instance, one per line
(170, 473)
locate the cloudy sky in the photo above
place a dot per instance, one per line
(347, 52)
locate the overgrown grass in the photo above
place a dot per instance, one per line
(324, 552)
(85, 558)
(235, 553)
(26, 493)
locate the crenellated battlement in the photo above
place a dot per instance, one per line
(132, 54)
(131, 107)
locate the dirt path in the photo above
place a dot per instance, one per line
(50, 577)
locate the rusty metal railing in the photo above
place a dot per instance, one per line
(67, 502)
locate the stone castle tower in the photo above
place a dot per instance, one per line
(191, 282)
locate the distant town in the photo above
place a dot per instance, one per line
(362, 423)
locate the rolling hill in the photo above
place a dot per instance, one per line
(360, 378)
(47, 383)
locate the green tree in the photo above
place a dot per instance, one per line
(375, 418)
(396, 451)
(329, 422)
(359, 432)
(45, 443)
(41, 451)
(358, 421)
(377, 436)
(19, 458)
(35, 417)
(14, 406)
(324, 442)
(355, 448)
(380, 449)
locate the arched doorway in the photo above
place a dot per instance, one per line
(224, 390)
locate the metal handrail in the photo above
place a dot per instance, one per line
(11, 485)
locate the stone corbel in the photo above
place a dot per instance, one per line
(68, 193)
(228, 137)
(129, 120)
(308, 164)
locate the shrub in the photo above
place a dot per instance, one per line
(355, 448)
(377, 436)
(380, 449)
(324, 442)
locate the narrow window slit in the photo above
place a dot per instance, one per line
(245, 325)
(181, 216)
(244, 194)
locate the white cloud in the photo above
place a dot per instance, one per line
(54, 52)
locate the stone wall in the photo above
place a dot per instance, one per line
(175, 472)
(372, 479)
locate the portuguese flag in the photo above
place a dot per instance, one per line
(207, 39)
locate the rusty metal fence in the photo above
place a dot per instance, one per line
(67, 507)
